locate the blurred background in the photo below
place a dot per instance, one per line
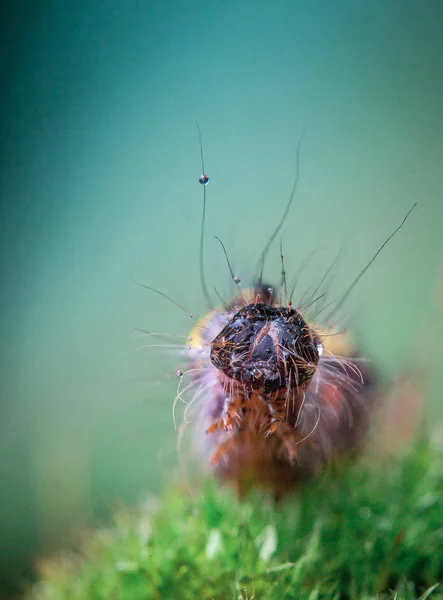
(99, 182)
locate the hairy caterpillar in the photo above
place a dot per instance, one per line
(273, 392)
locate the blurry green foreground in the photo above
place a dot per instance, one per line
(376, 531)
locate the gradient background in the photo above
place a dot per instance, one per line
(99, 168)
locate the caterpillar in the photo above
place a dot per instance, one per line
(274, 392)
(278, 397)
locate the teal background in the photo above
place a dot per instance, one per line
(99, 168)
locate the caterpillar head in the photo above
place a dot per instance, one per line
(267, 349)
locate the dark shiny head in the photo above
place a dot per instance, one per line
(266, 349)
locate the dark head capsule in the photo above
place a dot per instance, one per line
(266, 349)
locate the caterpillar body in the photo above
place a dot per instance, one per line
(275, 397)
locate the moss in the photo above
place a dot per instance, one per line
(374, 531)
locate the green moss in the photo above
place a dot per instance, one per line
(371, 532)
